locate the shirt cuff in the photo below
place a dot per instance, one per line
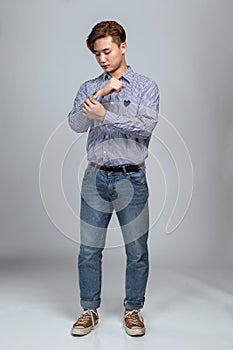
(97, 98)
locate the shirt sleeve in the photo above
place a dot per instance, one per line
(138, 119)
(76, 120)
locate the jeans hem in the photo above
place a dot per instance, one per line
(133, 306)
(86, 304)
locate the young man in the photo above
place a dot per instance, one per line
(120, 110)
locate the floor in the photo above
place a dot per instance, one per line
(185, 311)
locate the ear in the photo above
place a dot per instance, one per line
(123, 47)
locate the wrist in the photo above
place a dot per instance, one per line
(99, 93)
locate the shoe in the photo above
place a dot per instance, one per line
(85, 323)
(133, 323)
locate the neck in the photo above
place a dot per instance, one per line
(118, 73)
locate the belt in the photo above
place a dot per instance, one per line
(120, 169)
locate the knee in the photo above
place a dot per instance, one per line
(89, 253)
(137, 250)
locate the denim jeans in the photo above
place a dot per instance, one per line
(102, 193)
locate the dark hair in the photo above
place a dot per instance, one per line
(103, 29)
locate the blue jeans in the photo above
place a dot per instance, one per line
(102, 193)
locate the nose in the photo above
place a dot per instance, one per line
(102, 58)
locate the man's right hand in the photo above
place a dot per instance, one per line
(113, 84)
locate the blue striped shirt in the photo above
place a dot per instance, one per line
(131, 115)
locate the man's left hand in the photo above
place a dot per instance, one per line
(93, 109)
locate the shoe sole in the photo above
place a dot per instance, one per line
(135, 331)
(83, 331)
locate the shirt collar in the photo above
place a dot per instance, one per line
(127, 75)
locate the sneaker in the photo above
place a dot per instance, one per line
(133, 323)
(85, 323)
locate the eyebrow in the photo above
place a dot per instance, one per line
(96, 51)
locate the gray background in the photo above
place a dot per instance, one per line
(186, 47)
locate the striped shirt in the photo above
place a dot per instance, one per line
(123, 136)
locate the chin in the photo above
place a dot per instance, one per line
(110, 70)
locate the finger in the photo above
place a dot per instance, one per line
(119, 86)
(116, 81)
(84, 113)
(87, 103)
(92, 100)
(117, 90)
(85, 107)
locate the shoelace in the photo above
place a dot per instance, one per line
(134, 314)
(83, 317)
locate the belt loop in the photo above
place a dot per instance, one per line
(124, 169)
(95, 165)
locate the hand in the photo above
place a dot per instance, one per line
(92, 109)
(113, 84)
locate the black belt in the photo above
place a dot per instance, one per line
(120, 169)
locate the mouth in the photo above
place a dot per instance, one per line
(105, 66)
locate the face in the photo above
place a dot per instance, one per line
(109, 55)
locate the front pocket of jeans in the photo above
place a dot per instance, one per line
(139, 178)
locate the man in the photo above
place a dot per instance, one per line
(120, 110)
